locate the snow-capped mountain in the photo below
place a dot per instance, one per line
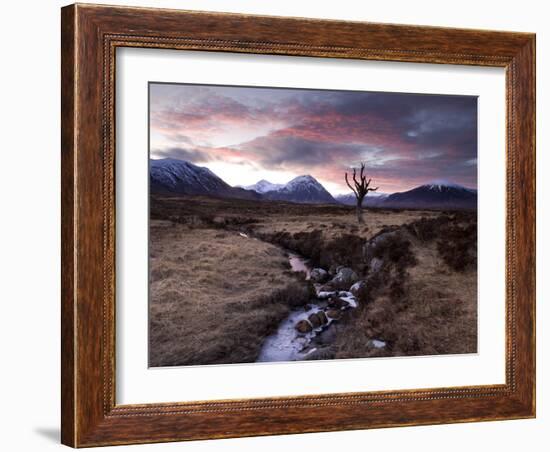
(373, 199)
(302, 189)
(264, 186)
(436, 195)
(182, 177)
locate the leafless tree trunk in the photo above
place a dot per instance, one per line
(360, 189)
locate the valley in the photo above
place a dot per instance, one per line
(222, 285)
(172, 176)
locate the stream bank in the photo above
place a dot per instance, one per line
(295, 338)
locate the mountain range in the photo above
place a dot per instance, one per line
(263, 186)
(182, 177)
(185, 178)
(373, 199)
(442, 195)
(302, 189)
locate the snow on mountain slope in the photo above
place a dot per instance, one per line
(302, 189)
(176, 174)
(373, 199)
(182, 177)
(264, 186)
(441, 195)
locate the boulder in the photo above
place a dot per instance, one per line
(338, 303)
(357, 288)
(333, 269)
(322, 303)
(327, 288)
(303, 326)
(375, 265)
(314, 320)
(319, 275)
(326, 337)
(333, 313)
(322, 317)
(344, 278)
(369, 249)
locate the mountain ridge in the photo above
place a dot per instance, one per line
(373, 199)
(434, 196)
(182, 177)
(263, 186)
(302, 189)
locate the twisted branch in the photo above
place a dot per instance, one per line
(362, 186)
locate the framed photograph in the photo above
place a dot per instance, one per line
(281, 225)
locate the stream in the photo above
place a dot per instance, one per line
(287, 343)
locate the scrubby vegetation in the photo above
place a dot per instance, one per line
(216, 294)
(213, 300)
(344, 249)
(420, 302)
(456, 237)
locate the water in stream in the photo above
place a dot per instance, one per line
(287, 344)
(299, 264)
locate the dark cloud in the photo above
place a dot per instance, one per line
(423, 120)
(192, 155)
(405, 139)
(291, 151)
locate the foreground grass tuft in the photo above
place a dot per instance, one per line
(215, 296)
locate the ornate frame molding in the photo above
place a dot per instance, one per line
(90, 37)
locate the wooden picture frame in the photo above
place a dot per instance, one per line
(90, 36)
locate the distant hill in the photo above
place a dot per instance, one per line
(434, 196)
(264, 186)
(181, 177)
(302, 189)
(373, 199)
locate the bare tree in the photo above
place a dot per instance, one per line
(360, 189)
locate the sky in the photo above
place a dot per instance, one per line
(245, 134)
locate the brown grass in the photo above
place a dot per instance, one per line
(277, 217)
(435, 314)
(214, 295)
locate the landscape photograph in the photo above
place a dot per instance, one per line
(300, 224)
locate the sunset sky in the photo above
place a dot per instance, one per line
(246, 134)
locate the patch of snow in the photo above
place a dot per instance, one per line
(349, 298)
(439, 185)
(323, 295)
(357, 285)
(263, 186)
(377, 343)
(375, 194)
(306, 181)
(170, 172)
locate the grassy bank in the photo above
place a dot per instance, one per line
(423, 300)
(215, 295)
(434, 312)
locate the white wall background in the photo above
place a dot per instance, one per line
(29, 226)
